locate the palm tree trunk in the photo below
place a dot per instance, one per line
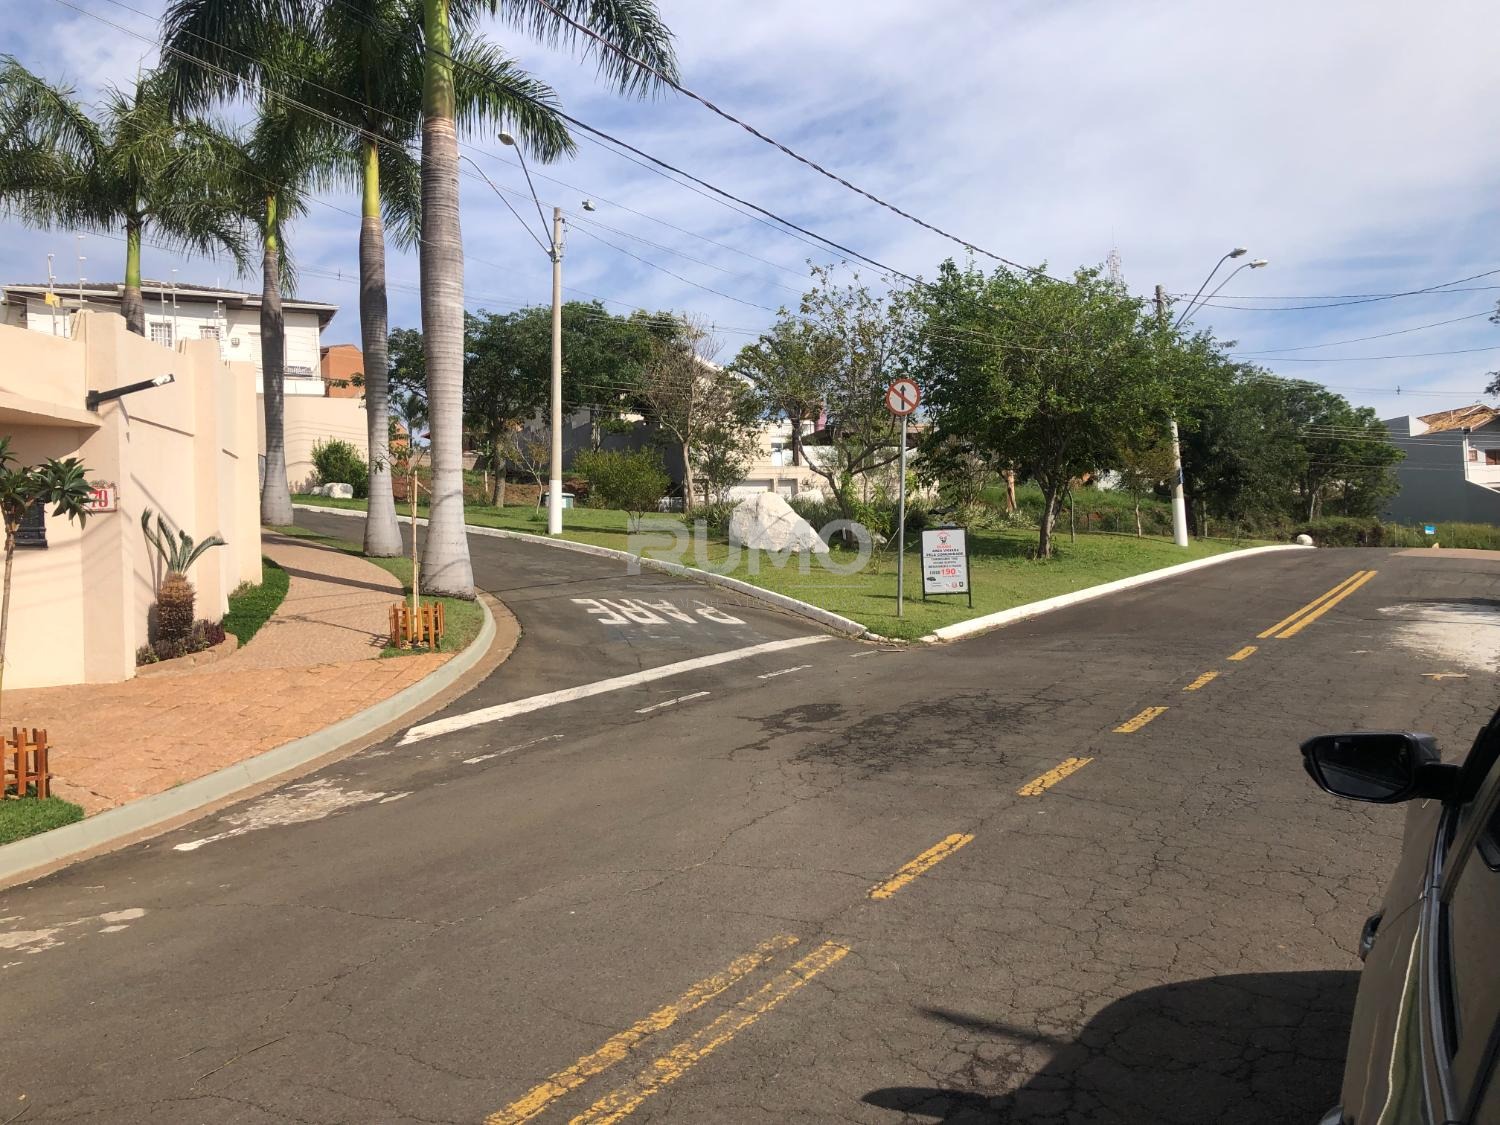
(275, 497)
(382, 533)
(446, 569)
(132, 304)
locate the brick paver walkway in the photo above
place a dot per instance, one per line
(314, 663)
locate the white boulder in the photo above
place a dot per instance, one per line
(1303, 541)
(766, 522)
(338, 491)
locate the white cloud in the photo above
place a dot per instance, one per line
(1347, 141)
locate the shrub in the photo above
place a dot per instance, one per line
(338, 462)
(145, 655)
(166, 649)
(715, 517)
(1346, 531)
(631, 480)
(204, 635)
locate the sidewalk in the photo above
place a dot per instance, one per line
(315, 662)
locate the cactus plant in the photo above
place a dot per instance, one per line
(175, 596)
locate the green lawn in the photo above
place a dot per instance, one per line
(463, 619)
(1002, 573)
(250, 607)
(26, 816)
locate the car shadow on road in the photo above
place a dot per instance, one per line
(1251, 1049)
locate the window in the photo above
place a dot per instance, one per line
(208, 332)
(161, 333)
(1492, 456)
(33, 529)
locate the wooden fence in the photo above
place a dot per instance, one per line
(24, 763)
(425, 630)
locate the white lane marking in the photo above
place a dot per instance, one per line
(670, 702)
(584, 691)
(477, 758)
(782, 672)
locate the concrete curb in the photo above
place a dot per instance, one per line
(49, 848)
(826, 618)
(1032, 609)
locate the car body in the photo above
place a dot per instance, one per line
(1424, 1045)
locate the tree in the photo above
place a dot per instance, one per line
(284, 155)
(700, 405)
(788, 366)
(1142, 468)
(134, 167)
(501, 389)
(1058, 376)
(624, 30)
(532, 451)
(369, 84)
(726, 447)
(62, 484)
(862, 344)
(631, 480)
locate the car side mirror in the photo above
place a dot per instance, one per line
(1380, 766)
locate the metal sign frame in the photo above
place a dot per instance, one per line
(968, 570)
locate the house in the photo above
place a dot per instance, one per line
(339, 366)
(1452, 467)
(183, 447)
(772, 469)
(176, 314)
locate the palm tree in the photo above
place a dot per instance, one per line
(287, 153)
(632, 26)
(368, 80)
(135, 167)
(62, 484)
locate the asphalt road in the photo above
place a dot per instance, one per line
(684, 900)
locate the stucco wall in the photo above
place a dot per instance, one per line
(80, 608)
(309, 421)
(1433, 486)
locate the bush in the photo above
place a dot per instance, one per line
(338, 462)
(1347, 531)
(145, 655)
(633, 481)
(715, 517)
(204, 635)
(166, 649)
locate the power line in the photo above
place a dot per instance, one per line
(1369, 358)
(1381, 336)
(668, 80)
(1334, 304)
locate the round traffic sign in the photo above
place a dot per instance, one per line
(902, 397)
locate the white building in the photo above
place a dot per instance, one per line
(186, 312)
(178, 314)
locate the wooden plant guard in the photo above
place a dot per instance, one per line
(425, 631)
(23, 763)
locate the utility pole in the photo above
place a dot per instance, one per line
(555, 492)
(1179, 502)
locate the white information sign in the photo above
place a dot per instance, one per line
(945, 561)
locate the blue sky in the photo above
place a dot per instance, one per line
(1348, 142)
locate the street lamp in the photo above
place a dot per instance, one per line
(1179, 501)
(555, 252)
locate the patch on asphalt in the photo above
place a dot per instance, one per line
(296, 804)
(49, 937)
(1465, 632)
(965, 730)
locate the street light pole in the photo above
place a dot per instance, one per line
(1179, 499)
(555, 487)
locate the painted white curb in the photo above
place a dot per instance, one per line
(1032, 609)
(115, 824)
(822, 616)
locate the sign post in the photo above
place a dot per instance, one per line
(901, 399)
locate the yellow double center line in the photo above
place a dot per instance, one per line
(1294, 623)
